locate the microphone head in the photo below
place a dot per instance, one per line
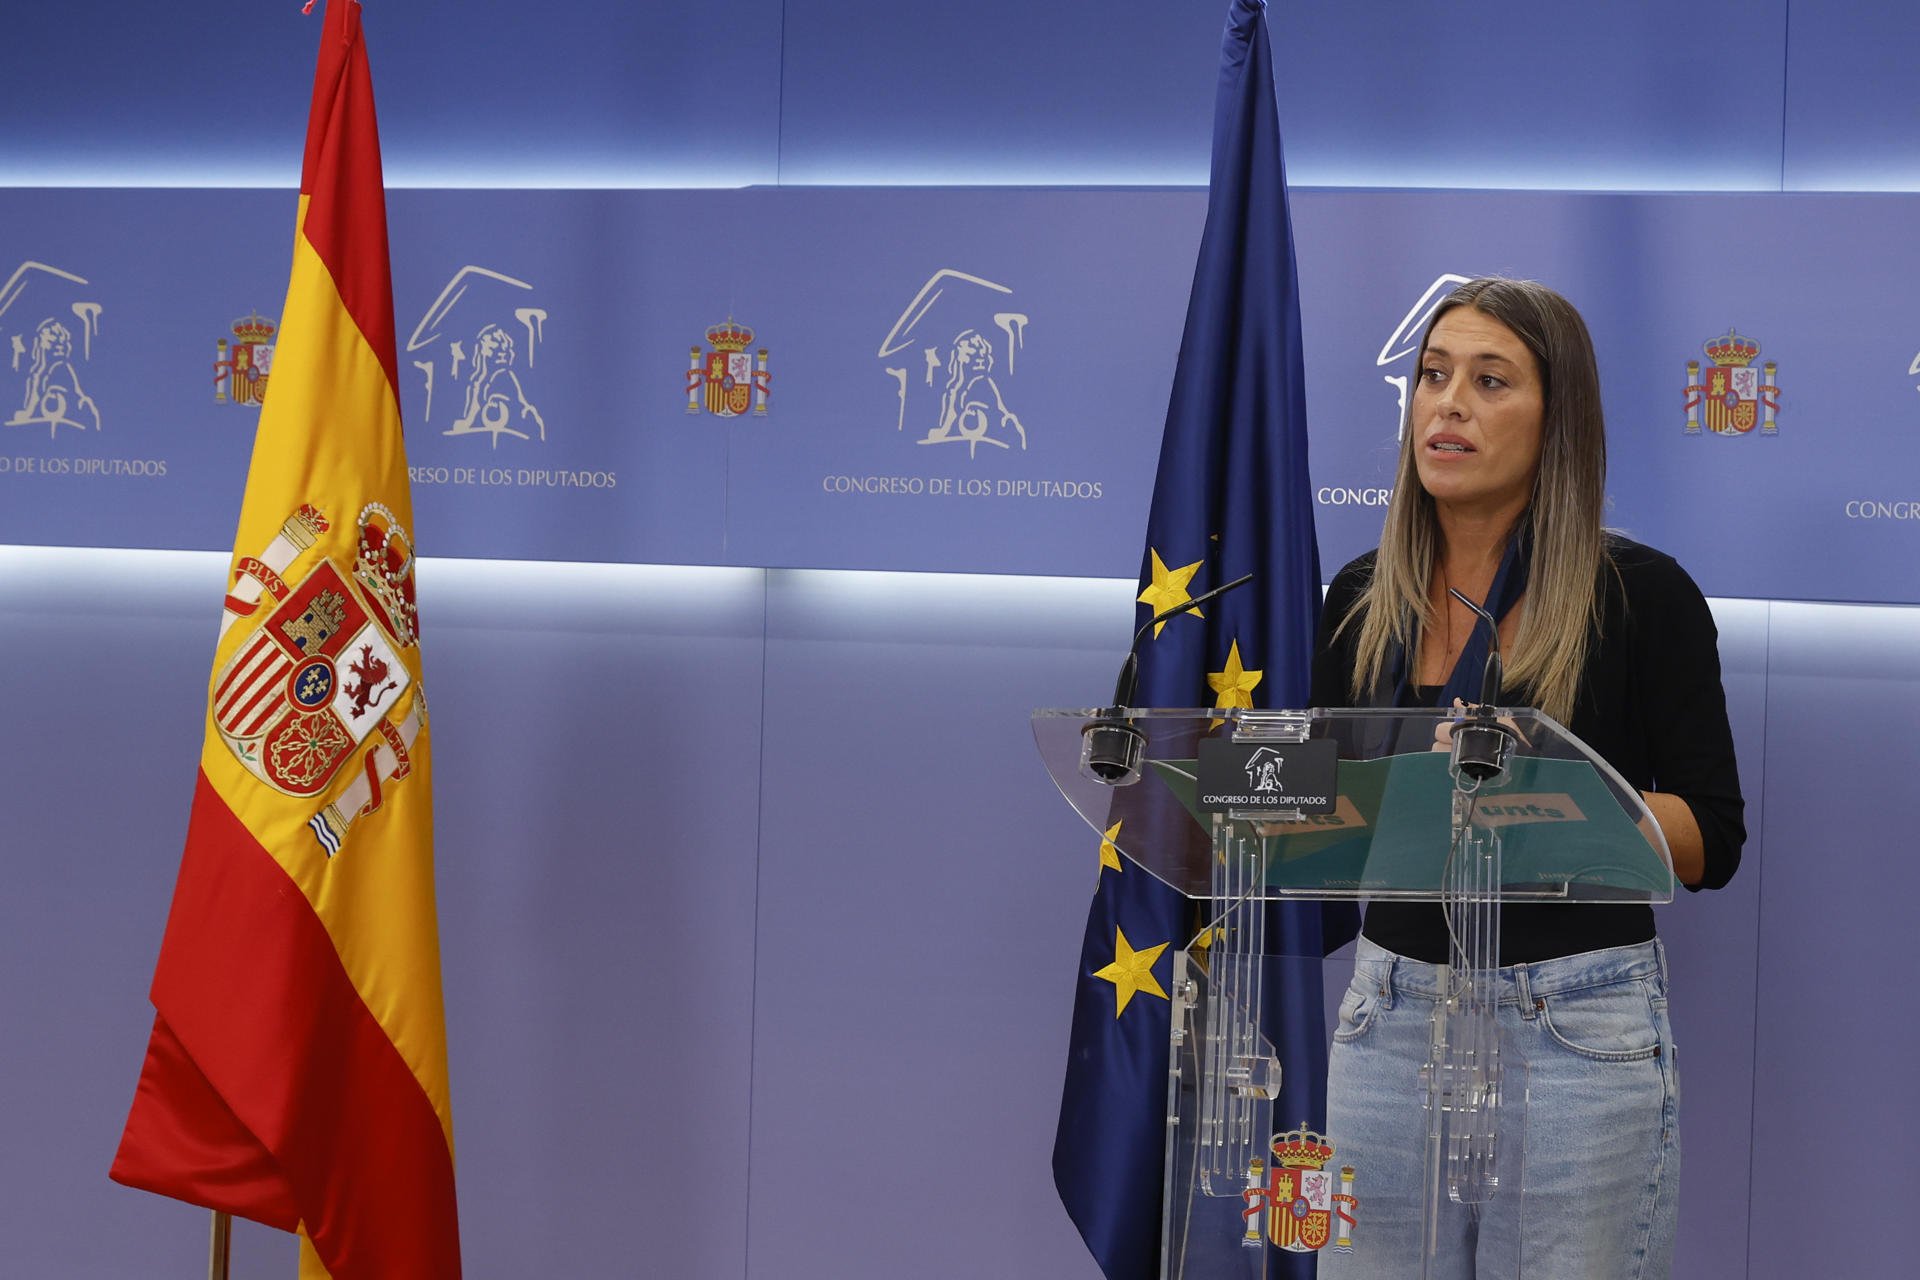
(1111, 748)
(1480, 749)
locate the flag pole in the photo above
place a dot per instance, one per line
(220, 1246)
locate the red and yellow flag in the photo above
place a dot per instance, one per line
(297, 1070)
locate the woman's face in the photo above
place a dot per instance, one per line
(1478, 415)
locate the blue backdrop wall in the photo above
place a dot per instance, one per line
(700, 1023)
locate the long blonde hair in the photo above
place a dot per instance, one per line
(1562, 603)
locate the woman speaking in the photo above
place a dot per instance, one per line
(1499, 495)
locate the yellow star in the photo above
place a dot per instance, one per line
(1168, 588)
(1234, 687)
(1109, 854)
(1131, 971)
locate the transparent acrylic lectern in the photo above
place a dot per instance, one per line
(1238, 808)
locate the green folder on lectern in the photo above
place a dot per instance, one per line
(1235, 808)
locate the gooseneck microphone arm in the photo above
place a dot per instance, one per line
(1124, 687)
(1111, 747)
(1492, 674)
(1481, 745)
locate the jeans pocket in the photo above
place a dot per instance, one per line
(1356, 1009)
(1614, 1023)
(1664, 1022)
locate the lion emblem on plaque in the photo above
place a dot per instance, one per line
(1263, 770)
(1732, 397)
(323, 669)
(1305, 1208)
(240, 367)
(725, 380)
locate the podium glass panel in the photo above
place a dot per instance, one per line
(1468, 809)
(1569, 828)
(1245, 1183)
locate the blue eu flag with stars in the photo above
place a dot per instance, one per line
(1231, 497)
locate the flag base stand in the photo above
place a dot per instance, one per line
(220, 1246)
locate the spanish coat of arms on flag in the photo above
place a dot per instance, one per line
(296, 1073)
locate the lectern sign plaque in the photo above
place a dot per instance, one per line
(1267, 776)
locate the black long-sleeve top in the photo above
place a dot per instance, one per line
(1650, 702)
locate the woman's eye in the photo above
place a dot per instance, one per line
(1490, 382)
(1433, 375)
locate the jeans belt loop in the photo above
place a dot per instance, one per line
(1386, 984)
(1522, 979)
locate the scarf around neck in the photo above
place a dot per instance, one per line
(1463, 682)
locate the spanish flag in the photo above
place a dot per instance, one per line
(297, 1071)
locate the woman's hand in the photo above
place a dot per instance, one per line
(1443, 731)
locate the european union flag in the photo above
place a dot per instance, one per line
(1232, 496)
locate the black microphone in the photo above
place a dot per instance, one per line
(1110, 747)
(1482, 744)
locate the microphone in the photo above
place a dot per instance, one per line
(1482, 744)
(1110, 747)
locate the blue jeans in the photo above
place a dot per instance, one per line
(1588, 1123)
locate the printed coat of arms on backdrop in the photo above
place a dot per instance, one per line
(1404, 342)
(46, 356)
(957, 341)
(726, 380)
(476, 348)
(1306, 1205)
(323, 667)
(241, 366)
(1732, 397)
